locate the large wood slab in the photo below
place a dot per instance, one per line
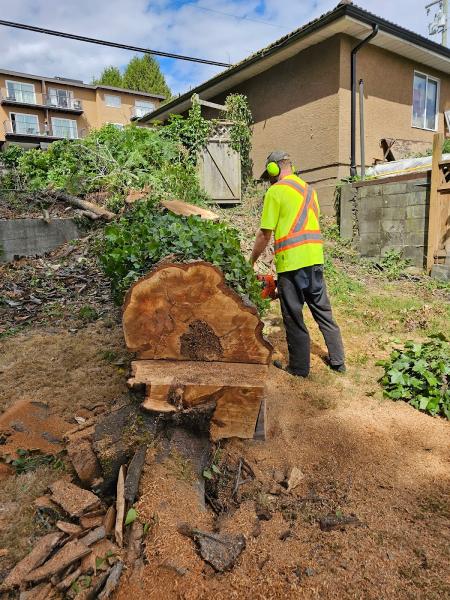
(236, 389)
(187, 312)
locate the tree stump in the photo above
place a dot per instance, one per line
(198, 345)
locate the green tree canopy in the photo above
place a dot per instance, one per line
(144, 75)
(110, 76)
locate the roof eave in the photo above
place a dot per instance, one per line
(182, 103)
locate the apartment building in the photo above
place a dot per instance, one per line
(36, 110)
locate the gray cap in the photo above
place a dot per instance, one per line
(276, 156)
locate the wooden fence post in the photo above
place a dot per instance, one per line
(434, 213)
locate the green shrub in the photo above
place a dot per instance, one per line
(141, 238)
(420, 375)
(392, 264)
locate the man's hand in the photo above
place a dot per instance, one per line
(262, 240)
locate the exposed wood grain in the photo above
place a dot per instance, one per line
(187, 312)
(120, 507)
(183, 208)
(237, 390)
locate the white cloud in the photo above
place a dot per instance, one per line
(170, 25)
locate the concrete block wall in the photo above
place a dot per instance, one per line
(387, 216)
(34, 237)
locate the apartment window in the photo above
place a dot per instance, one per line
(60, 98)
(20, 92)
(425, 101)
(143, 107)
(65, 128)
(24, 124)
(112, 101)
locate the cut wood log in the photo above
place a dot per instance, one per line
(236, 390)
(186, 210)
(73, 499)
(134, 475)
(98, 558)
(120, 507)
(186, 312)
(68, 554)
(83, 204)
(33, 560)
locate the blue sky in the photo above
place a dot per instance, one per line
(223, 30)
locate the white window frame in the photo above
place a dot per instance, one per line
(25, 115)
(69, 93)
(26, 83)
(69, 121)
(438, 95)
(113, 96)
(136, 101)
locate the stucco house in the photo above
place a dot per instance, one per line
(36, 110)
(299, 90)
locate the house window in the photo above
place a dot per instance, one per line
(20, 92)
(65, 128)
(117, 125)
(425, 101)
(24, 124)
(60, 98)
(112, 101)
(143, 107)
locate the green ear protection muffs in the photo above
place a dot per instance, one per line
(273, 169)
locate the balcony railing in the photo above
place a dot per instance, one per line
(139, 111)
(51, 100)
(59, 101)
(38, 130)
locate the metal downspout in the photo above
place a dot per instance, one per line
(353, 99)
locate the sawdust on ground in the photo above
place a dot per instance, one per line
(384, 462)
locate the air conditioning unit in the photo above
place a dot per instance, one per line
(77, 104)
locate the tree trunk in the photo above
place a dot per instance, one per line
(187, 312)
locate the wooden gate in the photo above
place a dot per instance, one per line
(220, 167)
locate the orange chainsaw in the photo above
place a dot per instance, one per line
(269, 286)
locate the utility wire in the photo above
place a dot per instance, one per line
(82, 38)
(219, 12)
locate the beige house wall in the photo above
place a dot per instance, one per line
(295, 108)
(95, 111)
(303, 107)
(388, 95)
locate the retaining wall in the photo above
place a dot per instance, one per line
(382, 216)
(34, 237)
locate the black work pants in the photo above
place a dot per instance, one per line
(295, 288)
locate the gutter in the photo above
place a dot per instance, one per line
(353, 102)
(343, 10)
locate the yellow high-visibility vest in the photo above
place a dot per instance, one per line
(291, 210)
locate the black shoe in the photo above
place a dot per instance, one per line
(279, 365)
(339, 368)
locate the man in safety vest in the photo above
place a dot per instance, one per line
(291, 211)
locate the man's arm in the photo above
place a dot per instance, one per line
(262, 239)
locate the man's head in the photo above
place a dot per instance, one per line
(278, 164)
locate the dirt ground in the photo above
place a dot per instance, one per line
(384, 462)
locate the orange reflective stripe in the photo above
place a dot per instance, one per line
(298, 234)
